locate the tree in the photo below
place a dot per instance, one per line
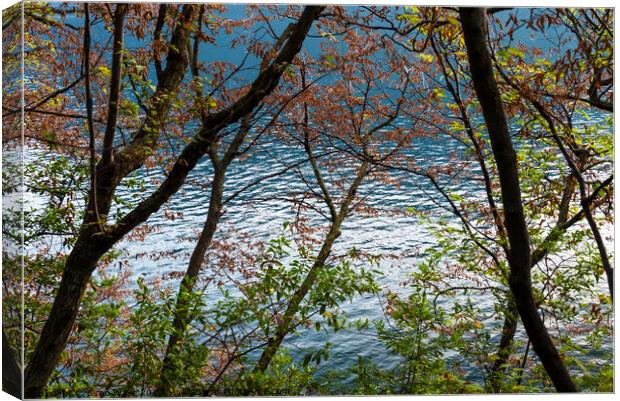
(446, 52)
(365, 105)
(220, 165)
(94, 240)
(519, 258)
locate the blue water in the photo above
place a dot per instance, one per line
(260, 212)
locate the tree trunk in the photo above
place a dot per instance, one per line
(519, 258)
(510, 320)
(600, 244)
(92, 243)
(11, 373)
(285, 324)
(334, 232)
(181, 318)
(509, 329)
(79, 266)
(576, 168)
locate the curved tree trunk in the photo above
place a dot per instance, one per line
(92, 243)
(181, 312)
(287, 319)
(510, 320)
(576, 166)
(181, 317)
(473, 21)
(504, 349)
(181, 308)
(78, 269)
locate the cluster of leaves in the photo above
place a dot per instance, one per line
(261, 301)
(39, 223)
(117, 347)
(423, 333)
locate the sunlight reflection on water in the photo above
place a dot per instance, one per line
(261, 212)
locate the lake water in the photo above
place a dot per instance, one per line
(260, 213)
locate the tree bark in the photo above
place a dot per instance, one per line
(78, 268)
(115, 82)
(92, 243)
(576, 168)
(510, 321)
(519, 257)
(334, 232)
(11, 373)
(181, 309)
(509, 328)
(207, 141)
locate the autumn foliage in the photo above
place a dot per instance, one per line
(203, 185)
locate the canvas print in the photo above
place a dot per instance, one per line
(211, 199)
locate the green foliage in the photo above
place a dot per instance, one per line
(365, 377)
(442, 327)
(45, 217)
(284, 377)
(421, 333)
(59, 185)
(91, 363)
(265, 295)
